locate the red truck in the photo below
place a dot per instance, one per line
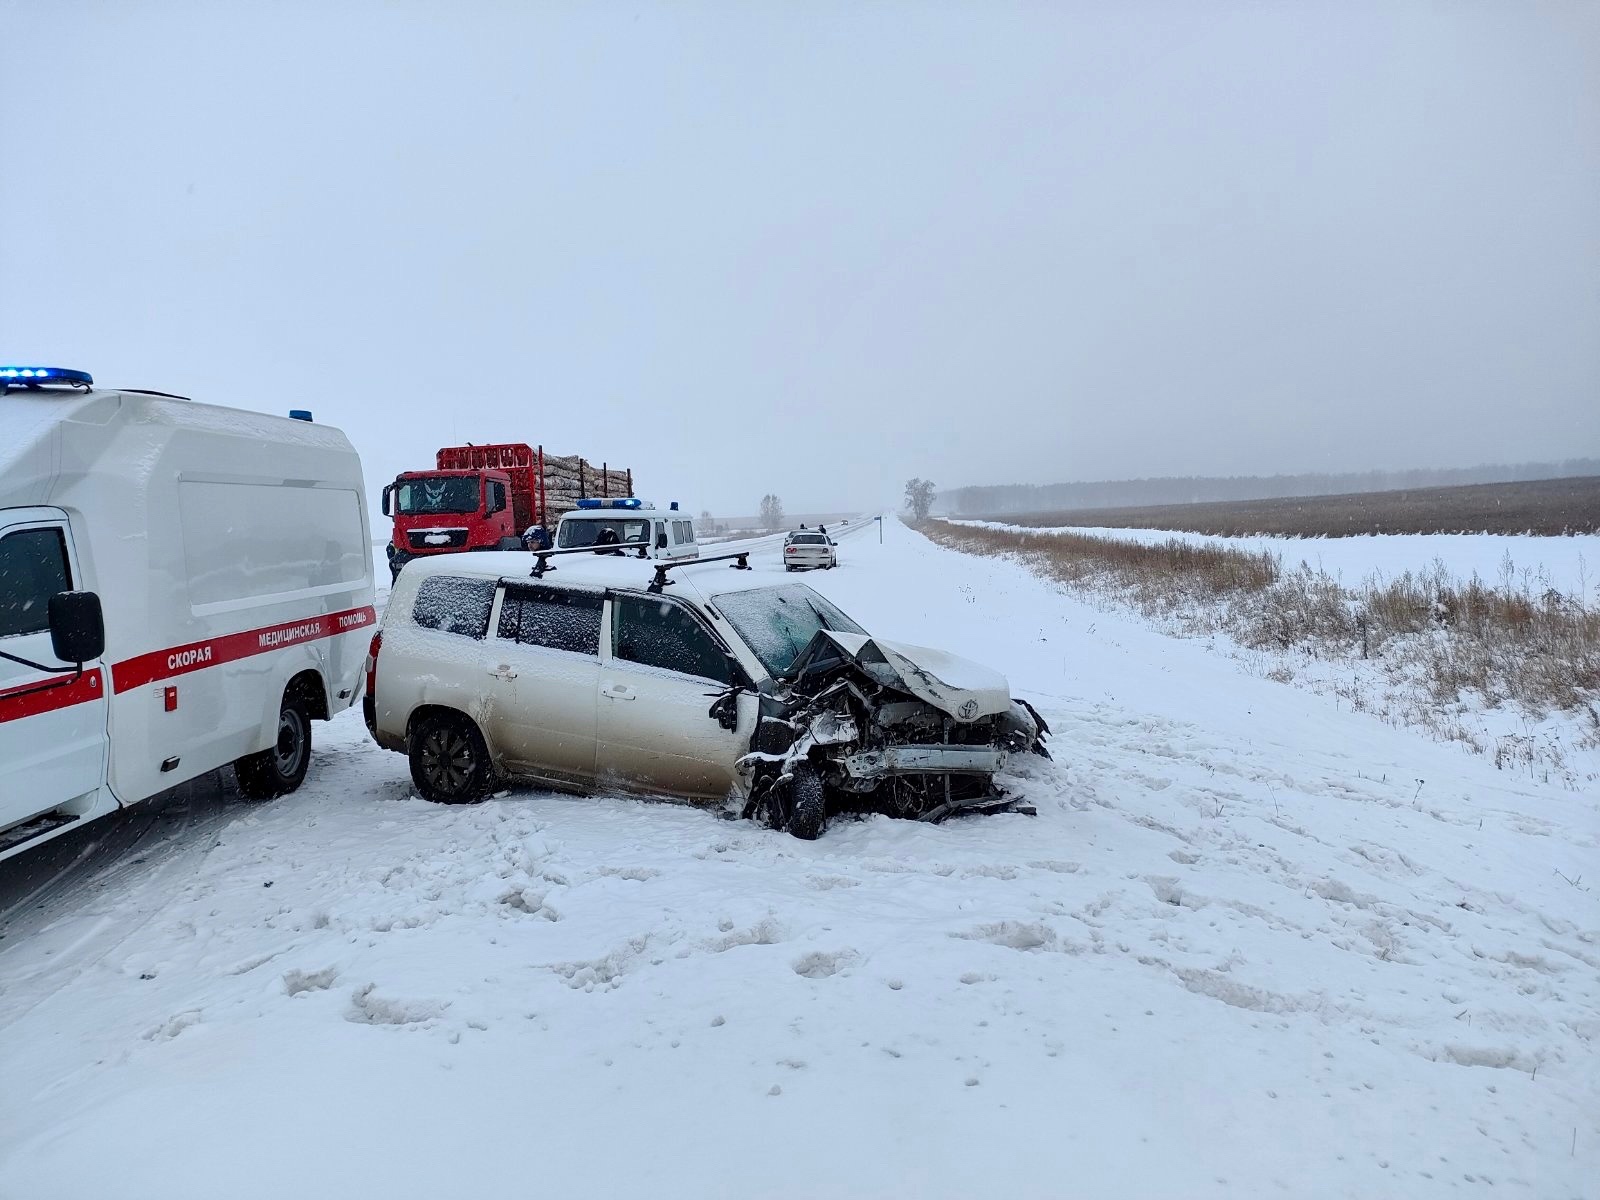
(488, 498)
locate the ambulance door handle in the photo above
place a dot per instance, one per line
(503, 671)
(617, 691)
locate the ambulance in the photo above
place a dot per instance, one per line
(183, 587)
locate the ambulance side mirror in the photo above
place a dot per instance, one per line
(661, 541)
(77, 627)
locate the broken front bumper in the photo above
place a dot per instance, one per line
(923, 760)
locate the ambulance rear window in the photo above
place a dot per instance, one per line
(33, 567)
(454, 605)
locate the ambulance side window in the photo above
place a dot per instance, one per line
(33, 567)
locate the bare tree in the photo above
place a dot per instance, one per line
(919, 497)
(771, 511)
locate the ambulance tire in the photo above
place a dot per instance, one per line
(279, 769)
(449, 762)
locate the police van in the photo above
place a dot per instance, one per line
(182, 587)
(629, 521)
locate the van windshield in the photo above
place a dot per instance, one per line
(778, 622)
(440, 494)
(618, 531)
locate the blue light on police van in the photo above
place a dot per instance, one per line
(36, 375)
(596, 502)
(588, 504)
(300, 414)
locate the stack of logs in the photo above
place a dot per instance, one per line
(567, 479)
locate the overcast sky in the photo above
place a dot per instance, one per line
(817, 249)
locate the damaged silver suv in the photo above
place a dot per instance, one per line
(600, 673)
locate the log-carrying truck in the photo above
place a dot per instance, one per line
(494, 497)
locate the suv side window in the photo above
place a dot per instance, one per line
(657, 632)
(454, 605)
(556, 618)
(33, 567)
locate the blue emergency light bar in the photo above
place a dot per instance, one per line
(626, 502)
(36, 375)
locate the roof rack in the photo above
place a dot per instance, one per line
(660, 581)
(540, 567)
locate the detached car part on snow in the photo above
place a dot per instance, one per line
(869, 724)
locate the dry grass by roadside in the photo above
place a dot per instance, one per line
(1443, 640)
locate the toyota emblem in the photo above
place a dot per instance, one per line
(968, 710)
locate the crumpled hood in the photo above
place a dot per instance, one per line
(964, 689)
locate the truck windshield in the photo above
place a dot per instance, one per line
(778, 622)
(443, 494)
(625, 530)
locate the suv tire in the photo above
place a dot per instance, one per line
(279, 769)
(808, 803)
(449, 762)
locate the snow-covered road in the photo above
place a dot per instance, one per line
(1252, 944)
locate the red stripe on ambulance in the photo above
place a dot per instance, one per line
(31, 699)
(231, 647)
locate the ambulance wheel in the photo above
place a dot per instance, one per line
(449, 762)
(279, 769)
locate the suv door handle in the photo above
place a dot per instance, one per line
(617, 691)
(503, 671)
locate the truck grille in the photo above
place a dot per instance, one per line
(437, 539)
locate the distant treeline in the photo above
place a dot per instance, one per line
(1194, 489)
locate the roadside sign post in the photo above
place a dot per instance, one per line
(879, 520)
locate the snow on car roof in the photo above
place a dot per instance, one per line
(627, 571)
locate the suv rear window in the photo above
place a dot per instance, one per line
(556, 618)
(451, 604)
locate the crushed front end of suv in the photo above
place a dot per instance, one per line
(856, 722)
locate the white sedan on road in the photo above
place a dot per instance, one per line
(804, 550)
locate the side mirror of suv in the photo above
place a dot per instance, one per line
(77, 627)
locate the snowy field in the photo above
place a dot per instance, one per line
(1253, 944)
(1571, 565)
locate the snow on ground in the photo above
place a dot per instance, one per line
(1253, 944)
(1571, 565)
(1559, 745)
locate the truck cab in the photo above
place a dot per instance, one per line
(437, 511)
(632, 525)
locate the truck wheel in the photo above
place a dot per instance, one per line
(808, 803)
(279, 769)
(449, 762)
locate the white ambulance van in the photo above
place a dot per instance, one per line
(181, 587)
